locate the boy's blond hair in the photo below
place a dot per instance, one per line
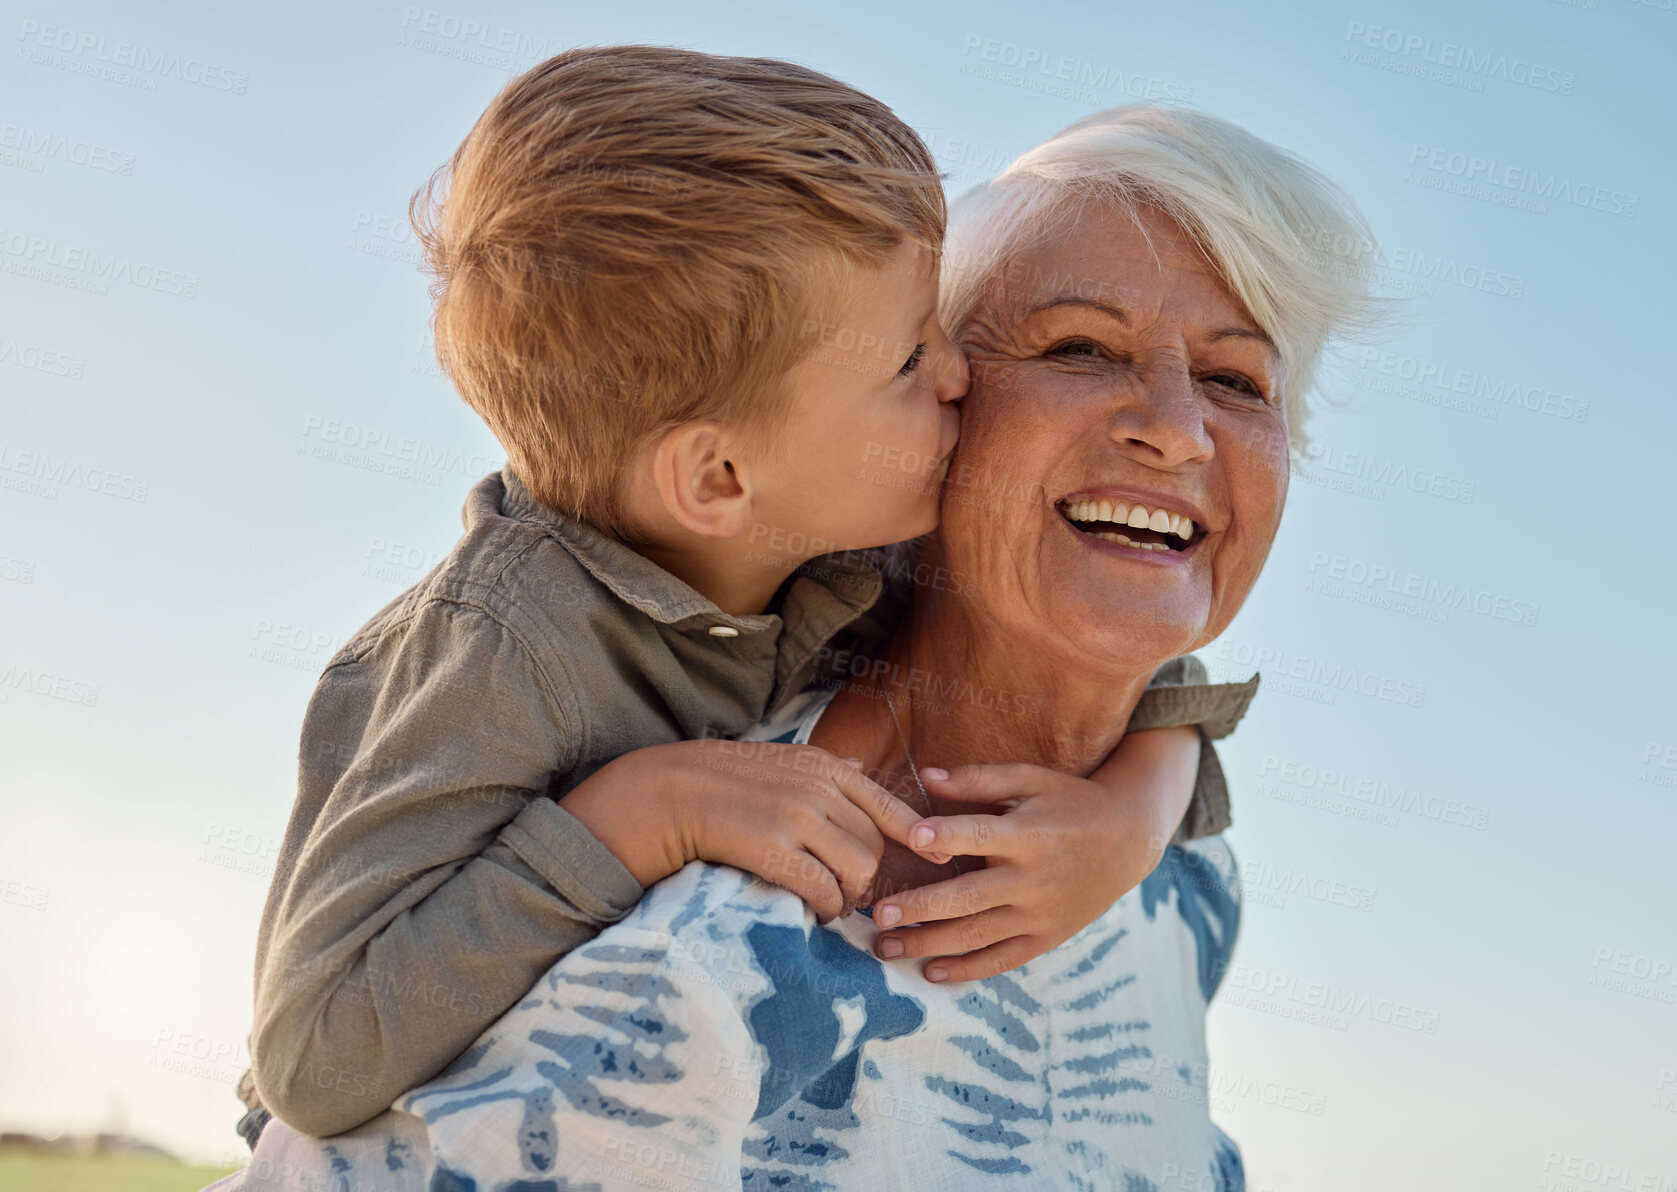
(636, 236)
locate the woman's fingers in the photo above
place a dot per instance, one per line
(980, 890)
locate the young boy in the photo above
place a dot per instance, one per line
(694, 299)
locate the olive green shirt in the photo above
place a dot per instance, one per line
(428, 876)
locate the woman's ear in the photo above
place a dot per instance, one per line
(700, 481)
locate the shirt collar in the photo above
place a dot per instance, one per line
(824, 595)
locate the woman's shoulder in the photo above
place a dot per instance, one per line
(697, 910)
(1212, 853)
(1203, 870)
(1196, 889)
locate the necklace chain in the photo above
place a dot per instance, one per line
(903, 737)
(912, 768)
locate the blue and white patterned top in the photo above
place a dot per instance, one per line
(717, 1037)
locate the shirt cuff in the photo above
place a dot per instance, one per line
(554, 843)
(1215, 707)
(1208, 813)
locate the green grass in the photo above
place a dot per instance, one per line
(23, 1171)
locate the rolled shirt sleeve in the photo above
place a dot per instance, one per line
(1180, 694)
(427, 879)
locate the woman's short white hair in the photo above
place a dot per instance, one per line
(1288, 242)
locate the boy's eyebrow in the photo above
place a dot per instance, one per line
(1122, 316)
(913, 336)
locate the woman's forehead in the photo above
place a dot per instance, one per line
(1109, 262)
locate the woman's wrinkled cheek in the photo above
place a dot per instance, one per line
(995, 382)
(1273, 473)
(1268, 440)
(993, 483)
(1258, 473)
(1260, 464)
(988, 407)
(1280, 467)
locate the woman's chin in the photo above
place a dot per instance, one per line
(1140, 646)
(1129, 615)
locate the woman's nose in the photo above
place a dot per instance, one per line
(1159, 413)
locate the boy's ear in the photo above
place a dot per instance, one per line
(701, 486)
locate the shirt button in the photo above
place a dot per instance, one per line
(724, 631)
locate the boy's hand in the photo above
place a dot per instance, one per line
(1064, 851)
(793, 814)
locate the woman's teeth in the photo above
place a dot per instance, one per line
(1112, 536)
(1160, 521)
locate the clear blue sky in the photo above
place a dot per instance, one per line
(212, 334)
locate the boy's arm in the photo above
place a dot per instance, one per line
(427, 880)
(794, 815)
(436, 887)
(1179, 694)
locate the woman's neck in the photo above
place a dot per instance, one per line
(966, 691)
(966, 694)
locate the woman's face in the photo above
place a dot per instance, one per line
(1111, 369)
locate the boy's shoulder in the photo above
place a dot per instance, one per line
(542, 574)
(509, 570)
(528, 591)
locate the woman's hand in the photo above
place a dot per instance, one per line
(1063, 850)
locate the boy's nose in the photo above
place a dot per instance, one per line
(953, 375)
(950, 430)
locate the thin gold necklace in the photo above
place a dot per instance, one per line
(912, 768)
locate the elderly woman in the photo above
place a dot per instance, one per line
(1143, 320)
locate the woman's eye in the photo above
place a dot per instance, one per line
(913, 361)
(1075, 347)
(1236, 382)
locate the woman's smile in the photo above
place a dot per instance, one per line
(1134, 523)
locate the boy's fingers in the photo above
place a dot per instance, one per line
(894, 817)
(984, 784)
(977, 835)
(986, 962)
(955, 898)
(808, 878)
(847, 859)
(953, 937)
(851, 819)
